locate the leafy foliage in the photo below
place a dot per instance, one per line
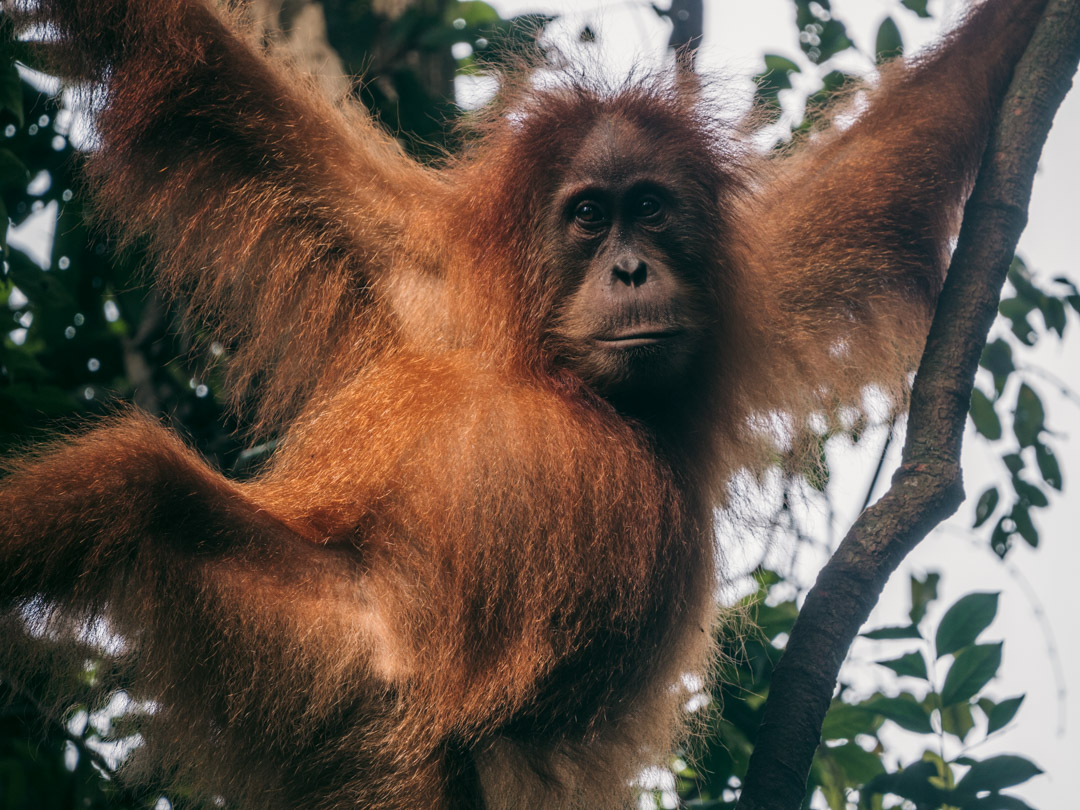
(1028, 457)
(853, 766)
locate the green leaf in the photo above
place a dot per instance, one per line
(923, 592)
(42, 288)
(971, 671)
(996, 773)
(1048, 465)
(957, 720)
(984, 416)
(1020, 277)
(963, 622)
(988, 502)
(998, 360)
(1024, 526)
(1053, 310)
(781, 66)
(859, 766)
(1013, 308)
(1029, 494)
(1013, 462)
(772, 620)
(473, 12)
(1016, 310)
(1029, 416)
(827, 775)
(11, 92)
(893, 633)
(844, 721)
(913, 782)
(1000, 715)
(833, 38)
(912, 664)
(1001, 538)
(818, 101)
(918, 6)
(905, 711)
(775, 77)
(13, 172)
(889, 43)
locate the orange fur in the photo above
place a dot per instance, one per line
(465, 579)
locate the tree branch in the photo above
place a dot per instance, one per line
(687, 26)
(927, 487)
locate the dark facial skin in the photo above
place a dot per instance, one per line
(634, 316)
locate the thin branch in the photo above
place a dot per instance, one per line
(928, 486)
(687, 28)
(880, 465)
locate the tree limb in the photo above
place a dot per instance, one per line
(928, 486)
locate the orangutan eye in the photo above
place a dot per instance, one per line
(649, 207)
(590, 214)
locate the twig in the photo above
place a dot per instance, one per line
(880, 465)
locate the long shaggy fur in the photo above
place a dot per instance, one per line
(464, 580)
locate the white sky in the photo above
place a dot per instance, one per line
(1038, 605)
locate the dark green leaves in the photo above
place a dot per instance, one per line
(844, 721)
(892, 633)
(921, 783)
(1048, 466)
(889, 43)
(963, 622)
(1029, 416)
(1028, 426)
(970, 672)
(905, 711)
(957, 720)
(822, 36)
(918, 6)
(913, 783)
(988, 502)
(997, 358)
(927, 782)
(775, 77)
(911, 664)
(13, 172)
(984, 416)
(999, 715)
(859, 766)
(1029, 297)
(1021, 519)
(996, 773)
(836, 768)
(923, 592)
(11, 97)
